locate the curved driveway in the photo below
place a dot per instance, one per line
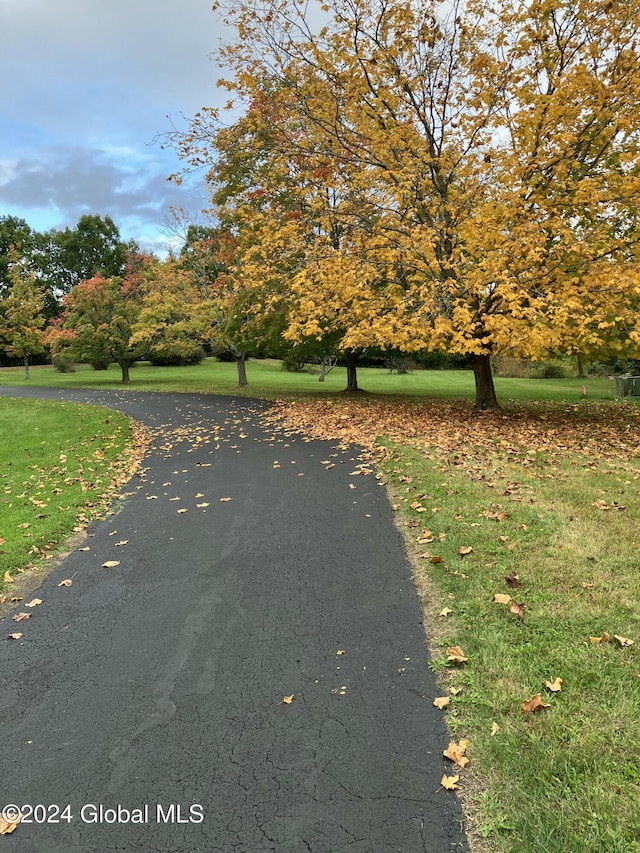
(154, 690)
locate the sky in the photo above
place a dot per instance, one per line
(87, 85)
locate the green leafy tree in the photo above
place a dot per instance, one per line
(22, 318)
(92, 248)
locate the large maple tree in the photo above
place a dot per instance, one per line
(459, 176)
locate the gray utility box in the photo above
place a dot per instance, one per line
(628, 386)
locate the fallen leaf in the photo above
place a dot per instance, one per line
(7, 827)
(456, 655)
(456, 752)
(455, 691)
(449, 783)
(518, 609)
(495, 728)
(110, 564)
(554, 686)
(534, 704)
(513, 580)
(122, 542)
(447, 611)
(7, 578)
(288, 699)
(180, 511)
(224, 500)
(21, 617)
(200, 506)
(463, 550)
(24, 525)
(603, 639)
(434, 560)
(84, 549)
(501, 598)
(624, 641)
(15, 636)
(340, 652)
(34, 602)
(66, 582)
(442, 702)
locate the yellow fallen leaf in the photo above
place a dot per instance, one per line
(518, 609)
(456, 655)
(442, 702)
(7, 578)
(554, 686)
(224, 500)
(66, 582)
(447, 611)
(288, 699)
(14, 636)
(495, 728)
(122, 542)
(449, 783)
(456, 752)
(84, 549)
(110, 564)
(180, 511)
(463, 550)
(340, 652)
(603, 639)
(7, 827)
(500, 598)
(201, 506)
(455, 691)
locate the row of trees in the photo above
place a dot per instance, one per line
(84, 295)
(459, 176)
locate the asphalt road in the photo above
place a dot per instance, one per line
(148, 697)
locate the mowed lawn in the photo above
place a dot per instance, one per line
(267, 379)
(522, 529)
(60, 464)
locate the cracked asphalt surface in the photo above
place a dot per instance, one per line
(160, 681)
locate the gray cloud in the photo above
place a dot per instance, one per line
(88, 85)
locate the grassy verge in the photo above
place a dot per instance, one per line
(61, 463)
(566, 777)
(268, 380)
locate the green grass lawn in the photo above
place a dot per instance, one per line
(267, 379)
(59, 463)
(566, 777)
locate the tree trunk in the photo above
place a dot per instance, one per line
(351, 361)
(26, 367)
(124, 366)
(242, 370)
(485, 390)
(580, 368)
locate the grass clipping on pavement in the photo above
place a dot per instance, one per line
(62, 465)
(522, 528)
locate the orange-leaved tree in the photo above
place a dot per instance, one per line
(485, 160)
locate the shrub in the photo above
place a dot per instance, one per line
(551, 370)
(63, 364)
(100, 363)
